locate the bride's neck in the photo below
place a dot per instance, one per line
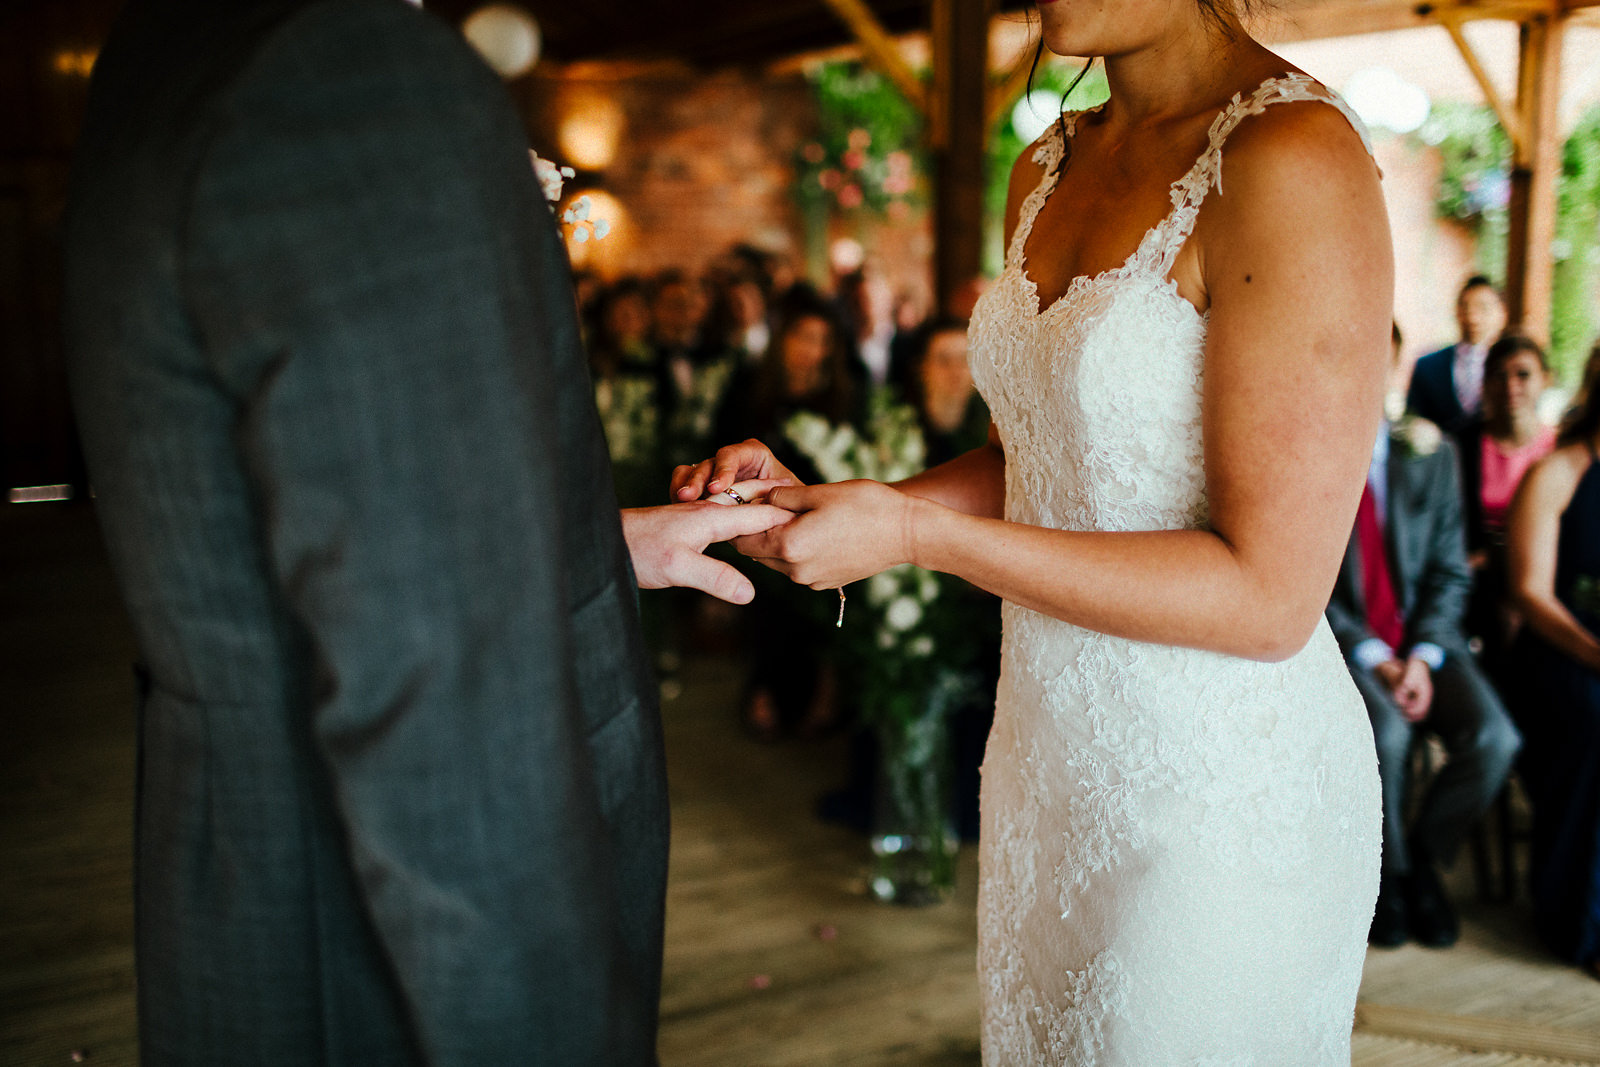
(1179, 74)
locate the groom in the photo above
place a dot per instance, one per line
(401, 791)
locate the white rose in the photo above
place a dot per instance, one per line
(882, 587)
(904, 613)
(885, 640)
(921, 646)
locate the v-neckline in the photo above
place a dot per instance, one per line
(1085, 281)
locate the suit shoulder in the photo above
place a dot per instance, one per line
(323, 42)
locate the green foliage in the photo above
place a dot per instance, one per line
(868, 155)
(1473, 189)
(1006, 144)
(1576, 250)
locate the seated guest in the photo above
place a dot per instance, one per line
(697, 367)
(1396, 611)
(629, 387)
(1495, 449)
(954, 417)
(1447, 385)
(1553, 543)
(866, 302)
(791, 627)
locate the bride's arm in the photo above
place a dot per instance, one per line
(1296, 260)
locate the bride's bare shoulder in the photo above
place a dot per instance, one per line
(1300, 143)
(1026, 174)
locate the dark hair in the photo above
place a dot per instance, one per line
(1477, 281)
(837, 396)
(1583, 419)
(1511, 344)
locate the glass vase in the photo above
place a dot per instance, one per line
(913, 843)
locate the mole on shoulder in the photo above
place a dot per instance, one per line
(1247, 279)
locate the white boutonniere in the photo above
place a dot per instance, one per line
(1415, 435)
(551, 180)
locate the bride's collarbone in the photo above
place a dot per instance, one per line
(1090, 230)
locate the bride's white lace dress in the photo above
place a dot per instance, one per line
(1179, 849)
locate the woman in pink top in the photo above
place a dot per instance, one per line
(1496, 449)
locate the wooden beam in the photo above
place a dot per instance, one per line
(880, 50)
(1315, 19)
(1532, 209)
(958, 126)
(1510, 120)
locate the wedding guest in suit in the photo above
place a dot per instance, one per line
(866, 301)
(1447, 385)
(401, 795)
(1554, 547)
(1496, 448)
(1396, 611)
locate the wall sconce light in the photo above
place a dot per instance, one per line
(590, 133)
(74, 62)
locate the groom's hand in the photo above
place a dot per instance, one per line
(668, 545)
(745, 461)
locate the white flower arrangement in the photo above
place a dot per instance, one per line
(895, 647)
(891, 449)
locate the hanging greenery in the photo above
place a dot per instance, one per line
(867, 156)
(1474, 189)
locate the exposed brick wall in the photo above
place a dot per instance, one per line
(703, 162)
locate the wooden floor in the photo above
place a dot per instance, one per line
(775, 955)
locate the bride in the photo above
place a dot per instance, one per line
(1184, 358)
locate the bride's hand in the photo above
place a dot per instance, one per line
(843, 532)
(746, 461)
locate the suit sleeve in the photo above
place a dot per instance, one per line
(1445, 582)
(364, 239)
(1417, 399)
(1345, 618)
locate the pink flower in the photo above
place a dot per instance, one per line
(853, 159)
(830, 179)
(859, 138)
(850, 196)
(813, 153)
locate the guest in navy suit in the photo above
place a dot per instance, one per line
(1447, 385)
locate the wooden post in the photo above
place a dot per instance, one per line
(957, 117)
(1537, 161)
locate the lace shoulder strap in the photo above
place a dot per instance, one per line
(1051, 149)
(1190, 191)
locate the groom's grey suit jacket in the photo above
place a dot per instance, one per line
(401, 788)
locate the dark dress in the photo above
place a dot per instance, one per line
(1560, 720)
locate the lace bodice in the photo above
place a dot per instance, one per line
(1125, 430)
(1141, 801)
